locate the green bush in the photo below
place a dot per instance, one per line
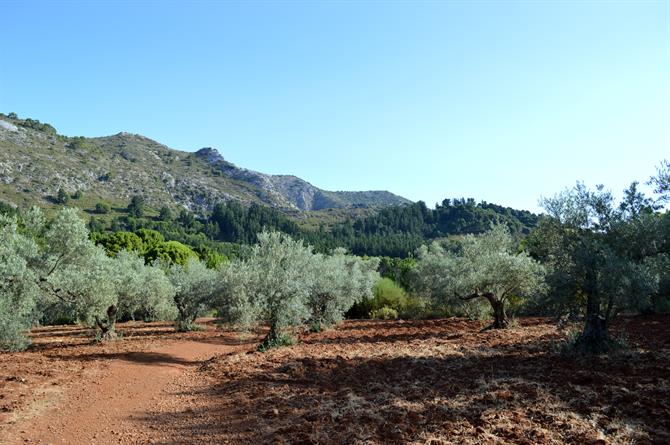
(417, 309)
(276, 341)
(173, 252)
(102, 208)
(384, 313)
(386, 293)
(62, 197)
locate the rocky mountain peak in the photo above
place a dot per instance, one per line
(210, 154)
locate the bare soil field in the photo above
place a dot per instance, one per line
(433, 381)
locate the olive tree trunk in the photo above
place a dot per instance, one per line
(595, 336)
(108, 326)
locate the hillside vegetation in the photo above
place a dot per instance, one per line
(36, 162)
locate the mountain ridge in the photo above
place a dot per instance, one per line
(36, 162)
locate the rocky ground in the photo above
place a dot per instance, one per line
(436, 381)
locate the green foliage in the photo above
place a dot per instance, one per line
(102, 208)
(62, 197)
(281, 282)
(393, 231)
(661, 182)
(384, 313)
(172, 252)
(195, 287)
(143, 291)
(388, 293)
(339, 282)
(385, 293)
(398, 269)
(8, 210)
(417, 308)
(75, 276)
(213, 260)
(242, 224)
(18, 288)
(272, 285)
(150, 238)
(276, 340)
(165, 214)
(597, 256)
(78, 143)
(115, 242)
(136, 206)
(487, 270)
(34, 124)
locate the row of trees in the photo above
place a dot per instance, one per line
(588, 257)
(52, 271)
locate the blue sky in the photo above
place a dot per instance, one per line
(500, 101)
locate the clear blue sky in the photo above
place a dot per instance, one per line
(501, 101)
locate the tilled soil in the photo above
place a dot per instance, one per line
(439, 382)
(433, 381)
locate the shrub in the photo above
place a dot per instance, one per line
(417, 308)
(172, 252)
(102, 208)
(384, 313)
(136, 206)
(115, 242)
(386, 293)
(62, 197)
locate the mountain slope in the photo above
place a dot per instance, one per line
(35, 162)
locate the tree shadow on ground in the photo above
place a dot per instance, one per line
(508, 394)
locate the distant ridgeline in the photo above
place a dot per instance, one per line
(211, 205)
(394, 231)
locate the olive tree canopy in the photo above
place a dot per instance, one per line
(486, 269)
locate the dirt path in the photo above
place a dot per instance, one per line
(111, 402)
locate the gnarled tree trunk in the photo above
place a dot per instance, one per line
(500, 320)
(271, 339)
(595, 336)
(108, 327)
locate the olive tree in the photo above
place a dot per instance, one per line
(194, 290)
(74, 275)
(18, 286)
(487, 269)
(596, 256)
(86, 292)
(339, 281)
(142, 289)
(79, 280)
(272, 285)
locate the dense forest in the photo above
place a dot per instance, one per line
(393, 231)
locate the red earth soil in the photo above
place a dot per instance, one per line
(431, 381)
